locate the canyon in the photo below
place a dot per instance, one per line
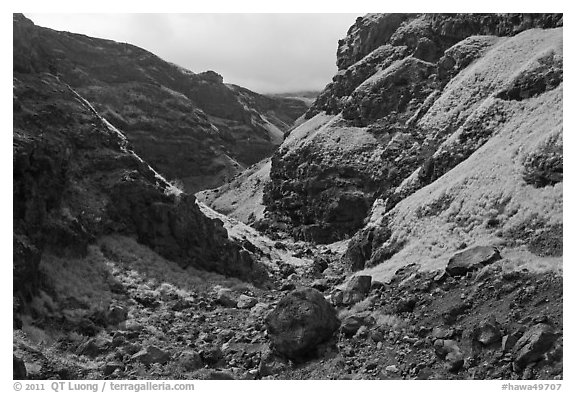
(406, 223)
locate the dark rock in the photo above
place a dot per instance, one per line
(454, 361)
(405, 305)
(351, 324)
(287, 269)
(320, 285)
(377, 285)
(181, 105)
(360, 284)
(351, 297)
(94, 347)
(451, 353)
(190, 360)
(146, 299)
(226, 298)
(279, 246)
(442, 332)
(249, 246)
(533, 345)
(452, 314)
(246, 302)
(271, 364)
(183, 304)
(210, 374)
(488, 332)
(357, 289)
(150, 355)
(320, 264)
(212, 356)
(471, 259)
(18, 368)
(300, 322)
(110, 367)
(508, 342)
(337, 298)
(116, 314)
(287, 286)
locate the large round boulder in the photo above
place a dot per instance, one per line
(301, 320)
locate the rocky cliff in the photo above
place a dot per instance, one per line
(76, 178)
(191, 127)
(415, 95)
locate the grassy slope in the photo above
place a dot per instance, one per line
(488, 185)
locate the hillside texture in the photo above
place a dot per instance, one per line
(190, 127)
(431, 168)
(407, 85)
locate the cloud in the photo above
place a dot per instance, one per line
(263, 52)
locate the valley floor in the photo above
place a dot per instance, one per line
(131, 314)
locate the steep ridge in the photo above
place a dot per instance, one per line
(386, 113)
(497, 179)
(460, 251)
(191, 127)
(242, 197)
(76, 179)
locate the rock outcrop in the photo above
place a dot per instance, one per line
(76, 178)
(301, 320)
(414, 97)
(190, 127)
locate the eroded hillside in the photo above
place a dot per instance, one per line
(407, 84)
(432, 166)
(190, 127)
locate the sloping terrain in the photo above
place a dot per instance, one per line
(485, 185)
(76, 179)
(397, 73)
(190, 127)
(241, 197)
(435, 158)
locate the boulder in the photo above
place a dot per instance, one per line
(300, 322)
(321, 284)
(357, 289)
(442, 332)
(405, 305)
(94, 346)
(211, 374)
(116, 314)
(533, 345)
(351, 324)
(450, 352)
(360, 284)
(488, 332)
(471, 259)
(110, 367)
(270, 363)
(245, 301)
(212, 356)
(150, 355)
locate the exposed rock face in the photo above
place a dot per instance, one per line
(241, 198)
(191, 127)
(471, 259)
(75, 178)
(18, 368)
(533, 345)
(302, 320)
(378, 125)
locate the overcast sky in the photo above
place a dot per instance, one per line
(266, 53)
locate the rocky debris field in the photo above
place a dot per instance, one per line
(484, 320)
(433, 160)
